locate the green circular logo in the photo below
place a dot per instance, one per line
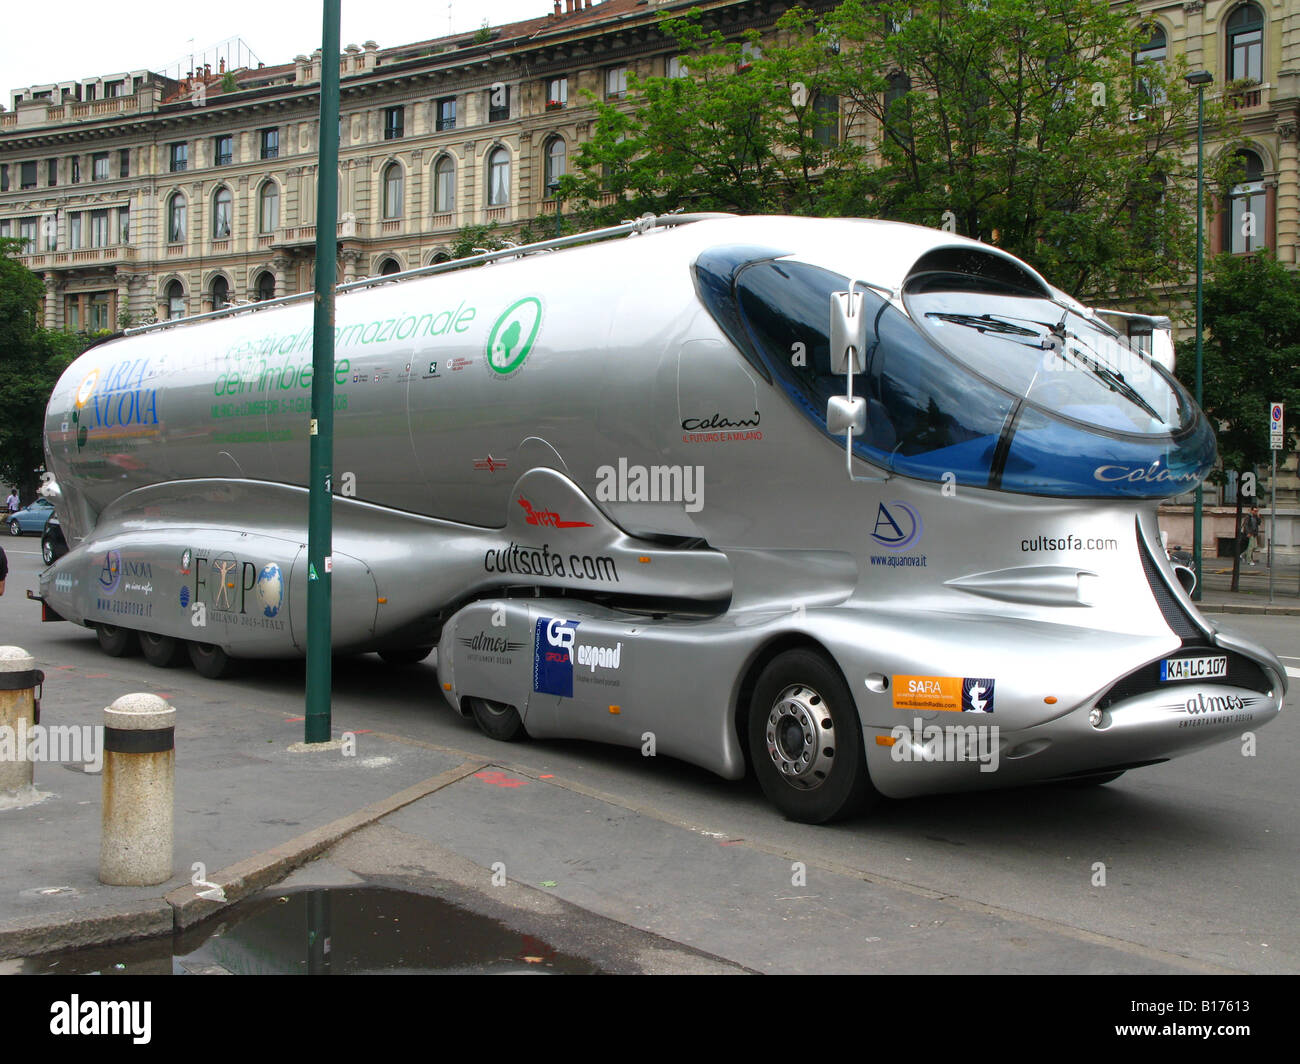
(513, 335)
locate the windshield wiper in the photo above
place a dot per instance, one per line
(983, 323)
(1114, 381)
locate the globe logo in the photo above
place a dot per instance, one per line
(270, 589)
(513, 336)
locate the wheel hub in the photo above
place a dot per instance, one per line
(801, 737)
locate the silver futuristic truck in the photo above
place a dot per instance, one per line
(867, 507)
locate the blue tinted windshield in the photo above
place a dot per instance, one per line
(985, 384)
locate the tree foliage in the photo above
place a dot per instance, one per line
(1025, 124)
(1251, 355)
(31, 360)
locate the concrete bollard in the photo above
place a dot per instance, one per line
(135, 848)
(19, 679)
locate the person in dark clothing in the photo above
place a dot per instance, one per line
(4, 570)
(1250, 534)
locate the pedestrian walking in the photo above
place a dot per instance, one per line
(1250, 534)
(12, 504)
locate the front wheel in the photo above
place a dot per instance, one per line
(405, 655)
(497, 720)
(805, 740)
(14, 529)
(211, 661)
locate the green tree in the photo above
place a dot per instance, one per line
(1023, 123)
(31, 360)
(1251, 358)
(742, 129)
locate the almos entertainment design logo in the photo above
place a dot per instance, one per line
(512, 337)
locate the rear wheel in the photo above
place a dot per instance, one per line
(161, 651)
(117, 642)
(497, 720)
(211, 661)
(805, 740)
(405, 655)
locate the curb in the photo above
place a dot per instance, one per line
(1249, 608)
(182, 907)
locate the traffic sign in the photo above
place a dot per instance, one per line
(1275, 412)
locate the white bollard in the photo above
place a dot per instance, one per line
(19, 679)
(135, 848)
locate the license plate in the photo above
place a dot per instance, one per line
(1212, 667)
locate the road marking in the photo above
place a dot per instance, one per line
(1293, 672)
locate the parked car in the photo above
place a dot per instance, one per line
(31, 518)
(53, 545)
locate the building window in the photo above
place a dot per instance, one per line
(268, 208)
(6, 230)
(52, 172)
(223, 207)
(99, 166)
(265, 285)
(223, 150)
(27, 175)
(124, 163)
(74, 230)
(499, 178)
(557, 157)
(394, 185)
(394, 122)
(557, 93)
(175, 301)
(446, 113)
(499, 103)
(826, 119)
(124, 225)
(389, 267)
(74, 169)
(27, 234)
(1246, 44)
(99, 312)
(1152, 56)
(176, 219)
(674, 67)
(270, 139)
(750, 53)
(50, 229)
(220, 293)
(180, 157)
(1247, 206)
(616, 83)
(444, 185)
(99, 229)
(4, 177)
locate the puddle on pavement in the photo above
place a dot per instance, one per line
(335, 931)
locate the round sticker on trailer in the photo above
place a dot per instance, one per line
(513, 336)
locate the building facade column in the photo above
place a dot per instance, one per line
(350, 257)
(1288, 190)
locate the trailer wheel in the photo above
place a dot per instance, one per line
(161, 651)
(805, 740)
(497, 720)
(116, 642)
(405, 655)
(211, 661)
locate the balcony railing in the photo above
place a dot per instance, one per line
(496, 214)
(1247, 98)
(56, 260)
(444, 221)
(306, 234)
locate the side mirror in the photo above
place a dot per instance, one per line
(845, 414)
(848, 332)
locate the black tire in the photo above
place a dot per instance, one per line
(211, 661)
(14, 529)
(802, 716)
(161, 651)
(497, 720)
(405, 655)
(117, 642)
(47, 550)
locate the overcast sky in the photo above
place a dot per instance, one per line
(77, 39)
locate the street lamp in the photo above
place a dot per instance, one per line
(1199, 78)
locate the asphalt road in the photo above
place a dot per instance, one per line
(1199, 853)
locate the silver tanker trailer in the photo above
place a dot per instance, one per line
(632, 492)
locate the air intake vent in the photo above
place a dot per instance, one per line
(1170, 608)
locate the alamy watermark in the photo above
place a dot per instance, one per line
(948, 742)
(53, 743)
